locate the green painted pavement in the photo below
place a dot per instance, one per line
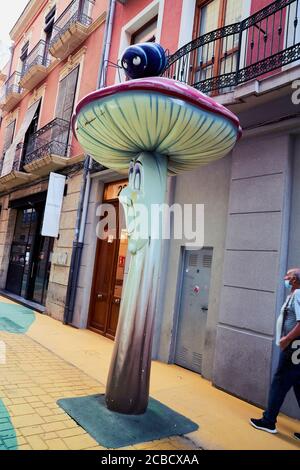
(8, 438)
(15, 318)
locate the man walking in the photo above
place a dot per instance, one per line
(288, 371)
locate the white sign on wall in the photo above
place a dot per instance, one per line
(53, 205)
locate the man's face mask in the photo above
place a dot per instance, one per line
(287, 284)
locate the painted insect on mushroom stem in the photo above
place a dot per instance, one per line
(149, 126)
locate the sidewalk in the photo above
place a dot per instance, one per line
(54, 361)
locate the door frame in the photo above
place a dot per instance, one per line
(177, 305)
(95, 268)
(26, 244)
(30, 288)
(32, 268)
(113, 274)
(32, 261)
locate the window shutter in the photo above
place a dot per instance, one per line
(65, 103)
(49, 21)
(24, 51)
(9, 135)
(66, 95)
(61, 98)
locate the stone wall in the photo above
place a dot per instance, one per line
(255, 261)
(83, 291)
(208, 185)
(62, 252)
(7, 226)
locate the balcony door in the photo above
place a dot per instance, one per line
(49, 23)
(23, 57)
(28, 144)
(84, 9)
(217, 57)
(64, 109)
(9, 135)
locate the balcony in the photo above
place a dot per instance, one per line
(15, 177)
(47, 149)
(71, 28)
(11, 92)
(35, 66)
(266, 42)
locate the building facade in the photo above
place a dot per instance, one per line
(217, 306)
(53, 65)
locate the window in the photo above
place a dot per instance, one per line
(145, 34)
(65, 104)
(23, 56)
(218, 57)
(49, 23)
(9, 135)
(49, 20)
(28, 142)
(85, 7)
(66, 95)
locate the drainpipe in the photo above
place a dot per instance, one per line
(102, 74)
(86, 184)
(77, 244)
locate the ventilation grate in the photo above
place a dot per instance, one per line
(182, 356)
(197, 361)
(193, 260)
(207, 261)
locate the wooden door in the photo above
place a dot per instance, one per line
(107, 283)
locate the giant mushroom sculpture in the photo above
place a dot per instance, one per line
(149, 126)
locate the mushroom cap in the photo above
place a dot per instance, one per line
(155, 114)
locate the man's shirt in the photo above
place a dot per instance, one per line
(292, 313)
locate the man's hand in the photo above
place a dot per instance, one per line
(284, 343)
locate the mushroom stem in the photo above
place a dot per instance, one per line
(128, 380)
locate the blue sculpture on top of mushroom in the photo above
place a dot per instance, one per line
(144, 60)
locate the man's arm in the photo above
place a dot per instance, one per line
(295, 333)
(288, 339)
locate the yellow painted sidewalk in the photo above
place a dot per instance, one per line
(54, 361)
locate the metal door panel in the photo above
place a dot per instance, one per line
(193, 309)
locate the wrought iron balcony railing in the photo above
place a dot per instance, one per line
(263, 43)
(77, 11)
(51, 139)
(11, 85)
(38, 56)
